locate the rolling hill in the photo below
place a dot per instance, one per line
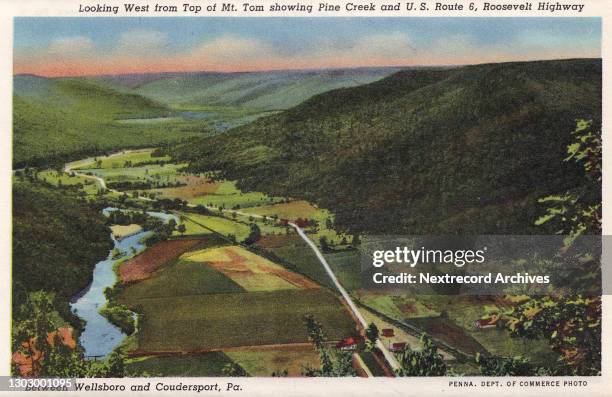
(462, 150)
(257, 90)
(55, 119)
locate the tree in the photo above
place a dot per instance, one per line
(427, 362)
(571, 323)
(254, 235)
(36, 336)
(578, 211)
(334, 363)
(509, 366)
(324, 244)
(234, 370)
(372, 333)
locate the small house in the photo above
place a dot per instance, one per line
(488, 322)
(398, 347)
(350, 343)
(388, 332)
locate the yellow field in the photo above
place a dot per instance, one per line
(121, 231)
(291, 210)
(250, 271)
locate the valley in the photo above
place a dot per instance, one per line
(225, 210)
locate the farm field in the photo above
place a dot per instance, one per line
(291, 210)
(181, 278)
(250, 271)
(133, 157)
(195, 187)
(143, 265)
(204, 364)
(58, 178)
(264, 360)
(295, 252)
(154, 173)
(465, 310)
(176, 324)
(201, 224)
(121, 231)
(200, 190)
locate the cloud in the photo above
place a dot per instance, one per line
(70, 47)
(382, 45)
(231, 52)
(141, 42)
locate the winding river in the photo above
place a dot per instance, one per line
(99, 336)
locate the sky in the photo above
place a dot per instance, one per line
(52, 46)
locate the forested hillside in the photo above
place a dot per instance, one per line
(462, 150)
(258, 90)
(59, 119)
(57, 240)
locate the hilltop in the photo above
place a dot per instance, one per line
(58, 119)
(455, 150)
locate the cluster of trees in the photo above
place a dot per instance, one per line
(36, 320)
(569, 321)
(57, 240)
(334, 362)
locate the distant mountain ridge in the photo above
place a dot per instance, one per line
(462, 150)
(55, 117)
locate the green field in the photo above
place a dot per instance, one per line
(153, 173)
(304, 261)
(181, 278)
(56, 178)
(205, 364)
(229, 196)
(119, 161)
(202, 322)
(263, 361)
(195, 222)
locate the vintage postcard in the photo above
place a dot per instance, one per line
(305, 198)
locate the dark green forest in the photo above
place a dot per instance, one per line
(57, 240)
(449, 150)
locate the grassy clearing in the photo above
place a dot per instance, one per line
(119, 161)
(264, 360)
(228, 196)
(291, 210)
(196, 188)
(197, 365)
(202, 322)
(220, 225)
(154, 173)
(57, 178)
(250, 271)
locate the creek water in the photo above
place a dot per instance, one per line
(100, 337)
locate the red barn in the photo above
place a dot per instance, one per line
(388, 332)
(349, 343)
(489, 322)
(398, 347)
